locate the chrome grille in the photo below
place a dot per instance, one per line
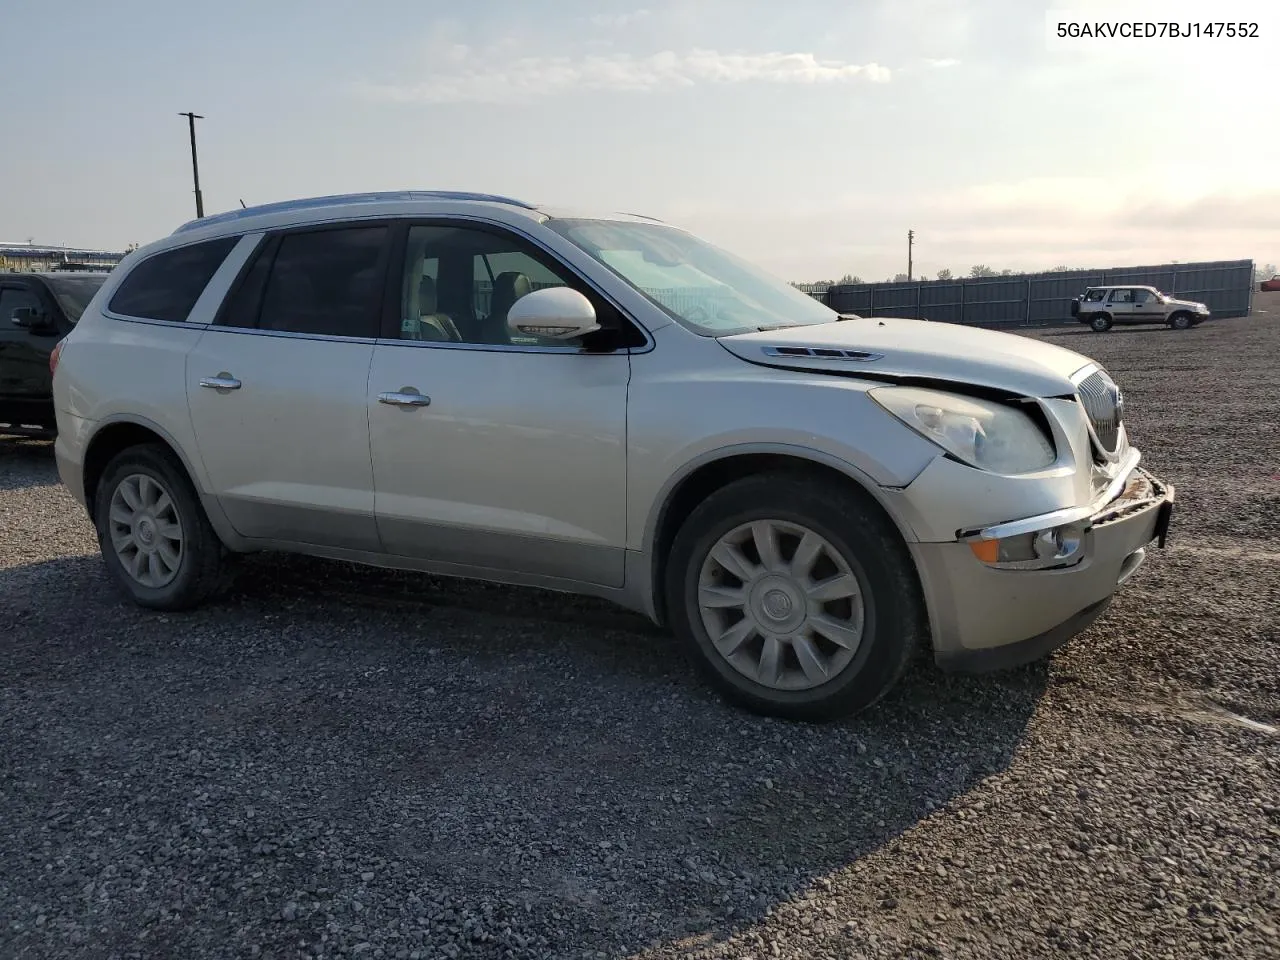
(1104, 405)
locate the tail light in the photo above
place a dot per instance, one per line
(53, 357)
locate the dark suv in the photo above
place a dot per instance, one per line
(36, 311)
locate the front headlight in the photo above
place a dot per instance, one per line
(989, 436)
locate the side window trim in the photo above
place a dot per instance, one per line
(265, 251)
(389, 331)
(209, 304)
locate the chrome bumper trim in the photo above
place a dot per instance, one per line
(1057, 518)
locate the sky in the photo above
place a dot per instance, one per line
(807, 135)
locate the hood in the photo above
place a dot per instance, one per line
(902, 349)
(1175, 302)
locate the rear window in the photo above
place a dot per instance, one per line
(167, 285)
(74, 293)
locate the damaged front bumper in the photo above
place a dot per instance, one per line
(1011, 593)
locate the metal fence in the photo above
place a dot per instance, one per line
(1042, 299)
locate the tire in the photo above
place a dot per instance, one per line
(1180, 321)
(893, 622)
(1100, 323)
(191, 569)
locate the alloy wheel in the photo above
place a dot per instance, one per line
(146, 531)
(781, 605)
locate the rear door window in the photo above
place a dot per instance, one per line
(14, 297)
(326, 282)
(166, 286)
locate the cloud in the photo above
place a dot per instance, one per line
(528, 78)
(616, 21)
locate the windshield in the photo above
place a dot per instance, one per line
(74, 293)
(702, 287)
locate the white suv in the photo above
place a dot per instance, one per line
(1104, 307)
(473, 386)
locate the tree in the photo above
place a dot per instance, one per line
(981, 270)
(1006, 273)
(850, 278)
(944, 274)
(900, 278)
(1060, 269)
(1265, 272)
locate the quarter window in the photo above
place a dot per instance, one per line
(167, 285)
(326, 283)
(1096, 296)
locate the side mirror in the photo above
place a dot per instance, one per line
(559, 313)
(30, 318)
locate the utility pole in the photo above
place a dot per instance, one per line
(195, 165)
(911, 239)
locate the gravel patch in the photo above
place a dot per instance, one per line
(346, 762)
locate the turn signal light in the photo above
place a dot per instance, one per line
(988, 551)
(53, 357)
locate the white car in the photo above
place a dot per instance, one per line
(473, 386)
(1104, 307)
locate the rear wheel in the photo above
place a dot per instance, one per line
(155, 538)
(1180, 321)
(1100, 323)
(795, 597)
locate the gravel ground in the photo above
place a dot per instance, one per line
(350, 762)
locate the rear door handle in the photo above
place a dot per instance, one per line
(223, 381)
(403, 399)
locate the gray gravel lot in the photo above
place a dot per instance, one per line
(339, 761)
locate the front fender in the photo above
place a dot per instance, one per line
(657, 513)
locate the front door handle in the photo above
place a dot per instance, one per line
(403, 398)
(223, 381)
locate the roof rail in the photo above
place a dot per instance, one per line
(642, 216)
(306, 203)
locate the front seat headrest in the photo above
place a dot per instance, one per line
(509, 287)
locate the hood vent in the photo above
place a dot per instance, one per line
(822, 353)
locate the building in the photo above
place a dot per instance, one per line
(32, 257)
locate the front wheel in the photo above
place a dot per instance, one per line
(1180, 321)
(795, 597)
(155, 538)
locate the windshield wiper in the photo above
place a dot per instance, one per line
(789, 326)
